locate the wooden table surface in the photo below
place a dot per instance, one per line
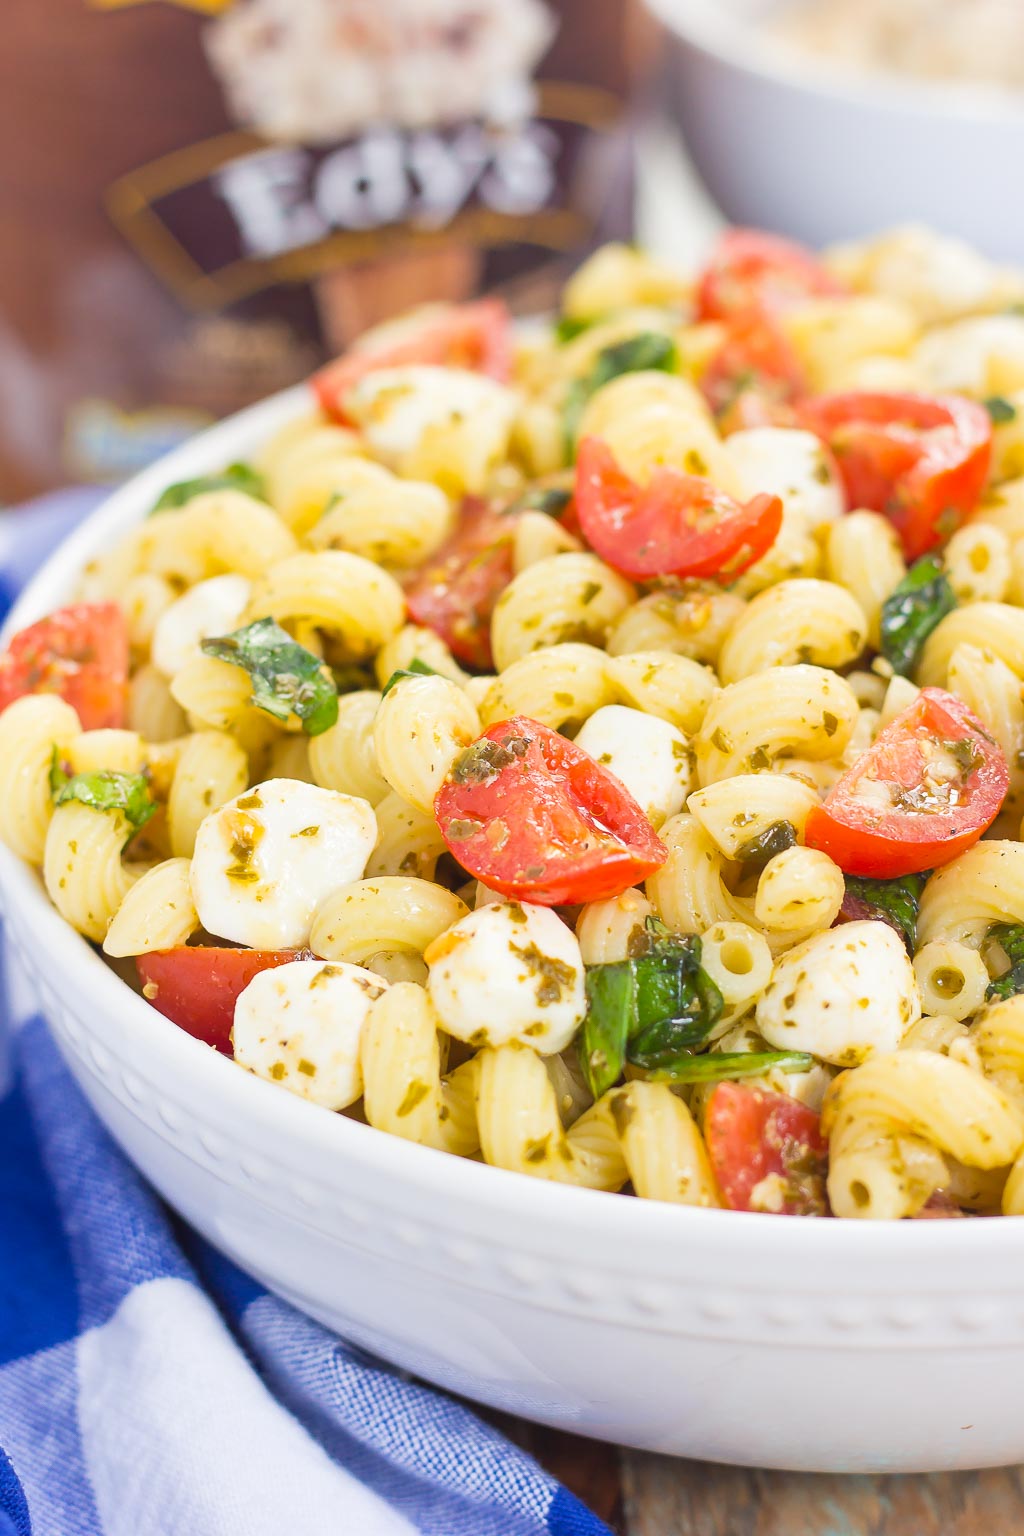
(643, 1495)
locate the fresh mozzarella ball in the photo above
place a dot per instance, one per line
(791, 464)
(396, 407)
(508, 973)
(300, 1025)
(981, 356)
(213, 607)
(649, 755)
(844, 995)
(265, 861)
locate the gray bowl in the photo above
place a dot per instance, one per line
(807, 148)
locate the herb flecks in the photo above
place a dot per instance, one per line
(1010, 938)
(484, 760)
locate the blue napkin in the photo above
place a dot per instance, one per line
(150, 1388)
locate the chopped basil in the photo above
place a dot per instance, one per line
(416, 668)
(645, 350)
(889, 901)
(286, 678)
(611, 1005)
(104, 791)
(568, 327)
(649, 1010)
(755, 853)
(912, 610)
(1010, 936)
(721, 1066)
(1000, 410)
(237, 477)
(59, 775)
(551, 499)
(966, 754)
(484, 760)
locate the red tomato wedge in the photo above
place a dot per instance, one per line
(535, 817)
(767, 1151)
(923, 792)
(753, 270)
(455, 592)
(476, 336)
(921, 459)
(81, 653)
(678, 525)
(197, 988)
(754, 377)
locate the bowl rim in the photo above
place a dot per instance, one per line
(711, 26)
(537, 1202)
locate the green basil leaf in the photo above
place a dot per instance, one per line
(645, 350)
(663, 1044)
(755, 853)
(551, 499)
(1010, 936)
(237, 477)
(286, 678)
(647, 1010)
(568, 327)
(416, 668)
(611, 1008)
(723, 1066)
(59, 775)
(664, 980)
(1000, 410)
(104, 791)
(890, 901)
(1008, 985)
(912, 610)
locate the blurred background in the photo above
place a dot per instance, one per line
(204, 198)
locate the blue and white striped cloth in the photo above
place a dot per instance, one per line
(150, 1388)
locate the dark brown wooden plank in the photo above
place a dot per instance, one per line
(663, 1497)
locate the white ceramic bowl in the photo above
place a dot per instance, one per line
(770, 1341)
(822, 153)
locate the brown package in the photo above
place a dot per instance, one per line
(204, 198)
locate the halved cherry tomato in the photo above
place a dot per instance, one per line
(197, 988)
(81, 653)
(678, 525)
(767, 1151)
(920, 459)
(754, 376)
(476, 336)
(535, 817)
(455, 592)
(753, 270)
(923, 792)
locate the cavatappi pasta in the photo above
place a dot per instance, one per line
(596, 750)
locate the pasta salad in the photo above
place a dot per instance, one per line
(594, 746)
